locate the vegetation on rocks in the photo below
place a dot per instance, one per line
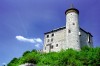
(86, 57)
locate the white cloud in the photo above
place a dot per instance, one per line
(21, 38)
(37, 45)
(36, 41)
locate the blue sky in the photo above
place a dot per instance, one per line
(24, 22)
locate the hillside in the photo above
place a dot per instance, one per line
(85, 57)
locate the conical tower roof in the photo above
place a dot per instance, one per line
(72, 9)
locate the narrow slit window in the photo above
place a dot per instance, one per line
(79, 33)
(69, 31)
(89, 39)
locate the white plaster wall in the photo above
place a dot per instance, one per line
(58, 38)
(73, 40)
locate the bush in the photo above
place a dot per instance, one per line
(86, 57)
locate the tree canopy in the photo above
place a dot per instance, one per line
(85, 57)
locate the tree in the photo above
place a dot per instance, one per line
(86, 57)
(34, 50)
(25, 53)
(13, 62)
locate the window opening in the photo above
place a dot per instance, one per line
(69, 31)
(56, 45)
(48, 40)
(45, 48)
(51, 47)
(73, 23)
(89, 39)
(52, 40)
(47, 36)
(52, 35)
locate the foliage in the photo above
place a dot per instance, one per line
(25, 53)
(85, 57)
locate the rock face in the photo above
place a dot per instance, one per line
(27, 64)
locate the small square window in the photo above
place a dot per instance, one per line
(69, 31)
(73, 23)
(56, 45)
(47, 36)
(52, 35)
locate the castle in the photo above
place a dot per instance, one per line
(69, 36)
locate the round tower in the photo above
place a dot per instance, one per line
(72, 29)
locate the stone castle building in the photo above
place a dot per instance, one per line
(69, 36)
